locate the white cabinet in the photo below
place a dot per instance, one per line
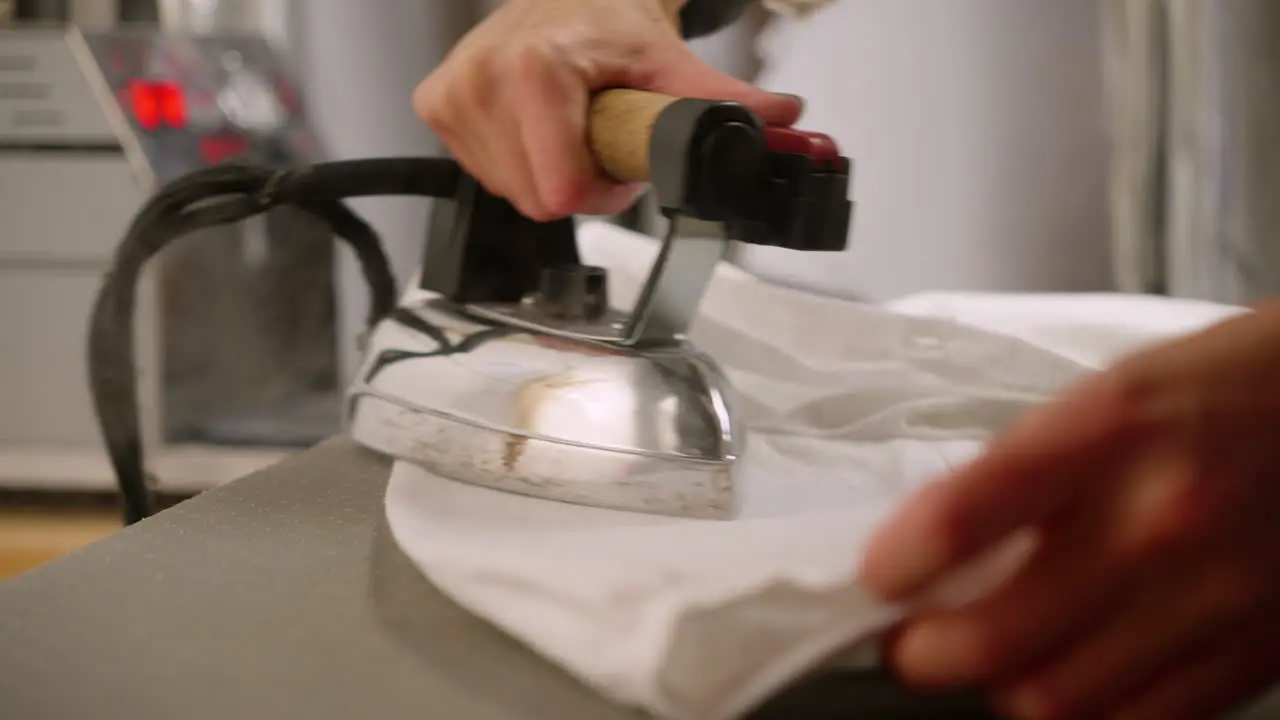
(44, 391)
(80, 222)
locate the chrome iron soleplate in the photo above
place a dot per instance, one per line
(526, 412)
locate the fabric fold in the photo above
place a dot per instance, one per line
(850, 408)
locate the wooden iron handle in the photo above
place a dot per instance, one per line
(620, 123)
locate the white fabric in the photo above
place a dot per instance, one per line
(851, 407)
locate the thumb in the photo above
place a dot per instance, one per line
(683, 74)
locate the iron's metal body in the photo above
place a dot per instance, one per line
(511, 370)
(558, 394)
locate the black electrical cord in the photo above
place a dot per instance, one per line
(222, 195)
(699, 18)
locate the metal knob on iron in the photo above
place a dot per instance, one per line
(508, 369)
(578, 292)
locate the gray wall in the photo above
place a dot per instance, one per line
(979, 137)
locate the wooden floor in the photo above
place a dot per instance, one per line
(32, 536)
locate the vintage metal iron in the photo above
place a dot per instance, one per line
(513, 371)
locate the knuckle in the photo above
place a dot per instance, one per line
(974, 650)
(473, 88)
(1124, 397)
(1233, 589)
(527, 62)
(532, 209)
(961, 654)
(952, 528)
(1036, 700)
(534, 53)
(984, 653)
(1194, 422)
(1177, 516)
(563, 196)
(427, 103)
(460, 89)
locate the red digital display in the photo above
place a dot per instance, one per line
(217, 148)
(173, 106)
(157, 103)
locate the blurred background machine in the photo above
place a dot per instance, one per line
(236, 341)
(245, 335)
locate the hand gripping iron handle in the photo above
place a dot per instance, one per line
(620, 122)
(715, 160)
(707, 160)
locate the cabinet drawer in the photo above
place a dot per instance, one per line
(44, 388)
(66, 206)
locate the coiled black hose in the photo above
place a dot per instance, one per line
(223, 195)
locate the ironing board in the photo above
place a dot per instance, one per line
(283, 596)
